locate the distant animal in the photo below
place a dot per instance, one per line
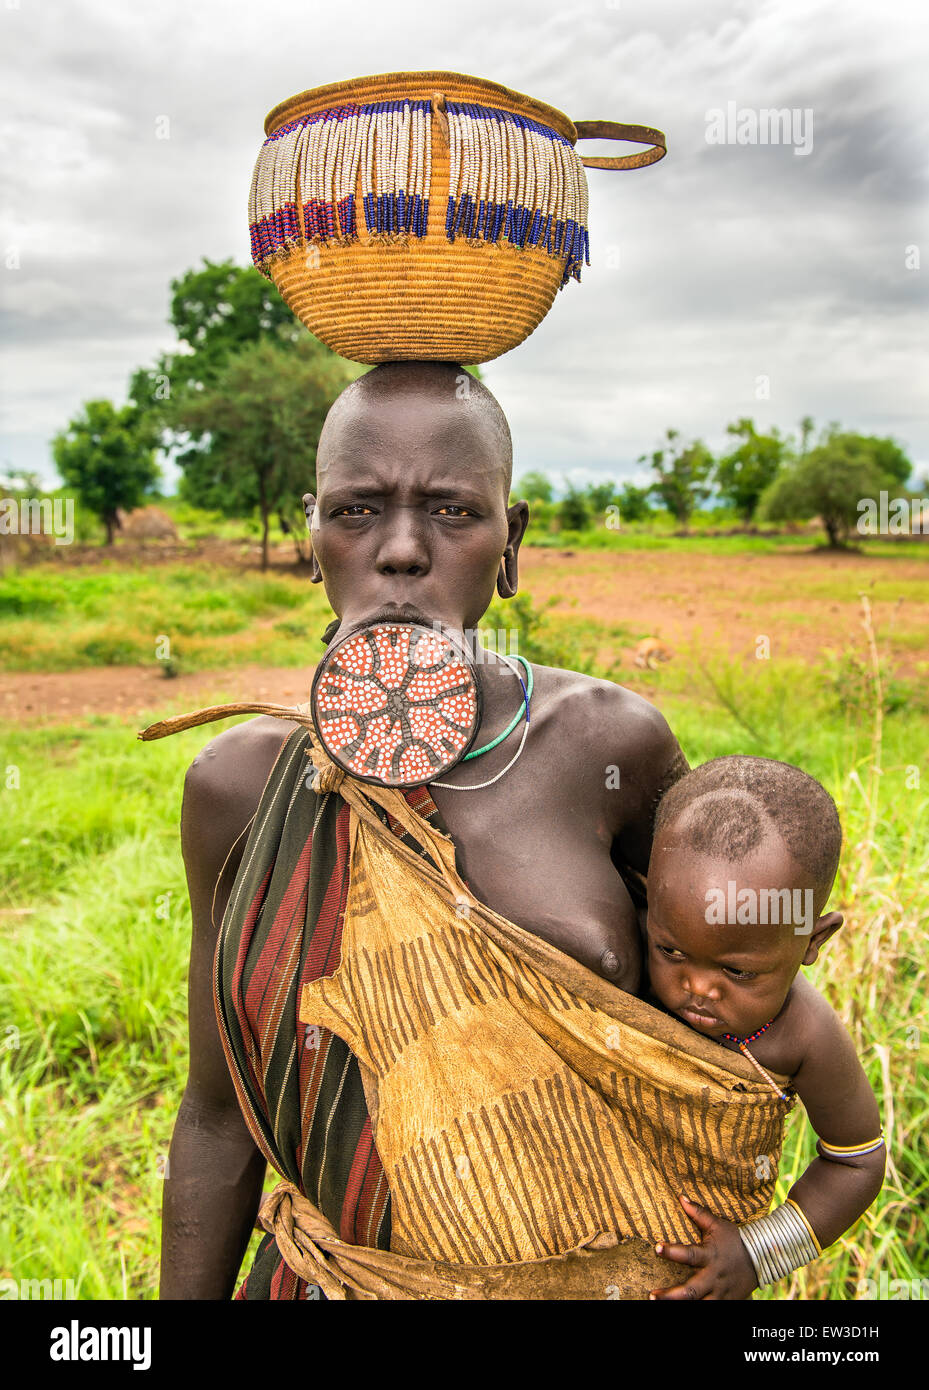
(146, 524)
(650, 651)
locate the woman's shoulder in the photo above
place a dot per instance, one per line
(224, 784)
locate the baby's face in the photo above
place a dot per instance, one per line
(716, 972)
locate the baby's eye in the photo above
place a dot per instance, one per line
(739, 974)
(669, 951)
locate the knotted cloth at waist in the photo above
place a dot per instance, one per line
(603, 1267)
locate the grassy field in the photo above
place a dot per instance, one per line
(94, 920)
(116, 615)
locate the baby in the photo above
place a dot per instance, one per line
(744, 856)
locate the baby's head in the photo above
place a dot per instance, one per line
(743, 860)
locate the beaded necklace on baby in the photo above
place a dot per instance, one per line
(743, 1048)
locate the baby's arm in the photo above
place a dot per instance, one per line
(834, 1190)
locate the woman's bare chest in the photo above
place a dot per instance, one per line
(551, 874)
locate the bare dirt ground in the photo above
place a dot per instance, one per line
(805, 603)
(140, 693)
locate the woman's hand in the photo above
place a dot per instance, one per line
(722, 1268)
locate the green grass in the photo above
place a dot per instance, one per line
(95, 924)
(700, 542)
(60, 619)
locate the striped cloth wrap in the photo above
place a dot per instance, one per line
(457, 1109)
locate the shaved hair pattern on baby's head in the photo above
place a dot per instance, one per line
(728, 805)
(447, 380)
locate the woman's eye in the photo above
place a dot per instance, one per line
(355, 509)
(453, 508)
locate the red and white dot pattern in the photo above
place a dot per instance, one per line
(395, 703)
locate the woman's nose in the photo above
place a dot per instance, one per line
(403, 548)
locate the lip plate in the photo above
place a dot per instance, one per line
(455, 647)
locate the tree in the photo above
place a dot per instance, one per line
(600, 496)
(828, 482)
(24, 484)
(832, 478)
(219, 311)
(633, 503)
(260, 421)
(682, 471)
(216, 310)
(573, 513)
(743, 475)
(534, 487)
(886, 454)
(107, 456)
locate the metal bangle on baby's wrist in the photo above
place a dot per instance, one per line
(779, 1242)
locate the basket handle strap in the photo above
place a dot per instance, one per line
(614, 130)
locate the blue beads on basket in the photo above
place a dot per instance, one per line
(510, 179)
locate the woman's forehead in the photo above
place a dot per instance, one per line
(425, 453)
(413, 414)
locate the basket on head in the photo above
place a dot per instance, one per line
(424, 215)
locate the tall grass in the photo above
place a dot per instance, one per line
(94, 935)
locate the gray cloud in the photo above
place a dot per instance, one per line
(735, 262)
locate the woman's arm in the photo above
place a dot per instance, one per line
(215, 1171)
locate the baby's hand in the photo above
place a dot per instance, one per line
(722, 1268)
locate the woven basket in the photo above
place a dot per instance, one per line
(424, 215)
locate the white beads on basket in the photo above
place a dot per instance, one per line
(510, 178)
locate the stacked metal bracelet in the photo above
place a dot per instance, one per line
(779, 1243)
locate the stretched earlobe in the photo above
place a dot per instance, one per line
(507, 577)
(309, 509)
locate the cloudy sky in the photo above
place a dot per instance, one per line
(726, 271)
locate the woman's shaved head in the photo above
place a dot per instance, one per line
(438, 384)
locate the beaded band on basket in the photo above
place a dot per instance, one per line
(510, 178)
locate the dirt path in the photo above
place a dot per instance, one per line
(138, 692)
(805, 604)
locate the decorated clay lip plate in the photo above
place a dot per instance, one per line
(396, 703)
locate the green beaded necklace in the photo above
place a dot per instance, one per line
(524, 710)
